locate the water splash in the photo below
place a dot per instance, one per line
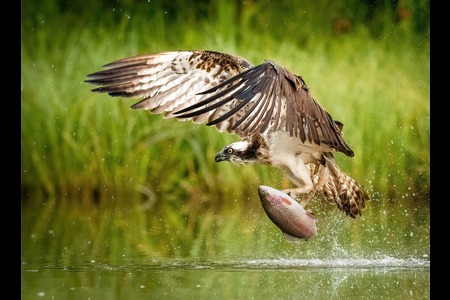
(385, 262)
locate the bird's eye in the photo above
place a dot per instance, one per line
(230, 151)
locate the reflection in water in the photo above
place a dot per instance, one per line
(271, 279)
(101, 254)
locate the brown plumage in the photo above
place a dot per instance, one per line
(264, 102)
(341, 189)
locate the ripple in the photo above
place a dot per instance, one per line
(248, 264)
(385, 262)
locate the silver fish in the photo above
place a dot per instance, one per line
(294, 221)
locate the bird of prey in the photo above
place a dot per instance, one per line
(268, 107)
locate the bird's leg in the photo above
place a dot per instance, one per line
(307, 197)
(323, 174)
(301, 176)
(313, 171)
(318, 176)
(295, 193)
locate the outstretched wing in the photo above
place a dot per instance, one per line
(266, 98)
(225, 90)
(168, 81)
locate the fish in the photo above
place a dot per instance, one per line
(295, 222)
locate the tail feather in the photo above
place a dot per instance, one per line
(348, 194)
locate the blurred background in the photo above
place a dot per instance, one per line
(101, 181)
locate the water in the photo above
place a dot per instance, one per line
(163, 278)
(74, 251)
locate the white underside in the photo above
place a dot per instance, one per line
(291, 156)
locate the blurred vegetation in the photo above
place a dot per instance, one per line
(95, 170)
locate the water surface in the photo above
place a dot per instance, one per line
(163, 278)
(74, 251)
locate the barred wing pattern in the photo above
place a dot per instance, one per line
(341, 189)
(168, 81)
(269, 97)
(225, 90)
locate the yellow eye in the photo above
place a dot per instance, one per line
(230, 151)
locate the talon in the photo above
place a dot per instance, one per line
(310, 211)
(287, 192)
(306, 198)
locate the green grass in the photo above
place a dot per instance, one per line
(125, 177)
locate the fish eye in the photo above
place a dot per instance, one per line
(230, 151)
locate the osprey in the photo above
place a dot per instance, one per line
(267, 106)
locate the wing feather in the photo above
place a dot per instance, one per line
(225, 90)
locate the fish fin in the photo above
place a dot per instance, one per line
(290, 238)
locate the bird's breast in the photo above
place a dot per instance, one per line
(282, 148)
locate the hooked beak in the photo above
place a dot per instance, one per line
(220, 157)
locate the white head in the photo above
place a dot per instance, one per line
(238, 153)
